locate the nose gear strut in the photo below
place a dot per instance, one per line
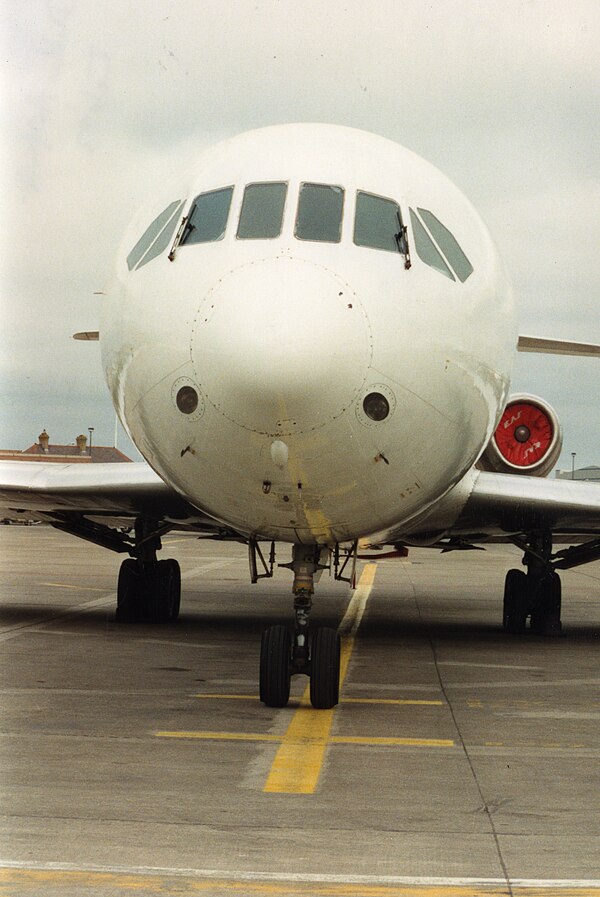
(313, 653)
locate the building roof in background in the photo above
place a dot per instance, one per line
(78, 452)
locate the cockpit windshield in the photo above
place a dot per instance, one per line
(208, 217)
(148, 246)
(448, 244)
(377, 222)
(262, 211)
(319, 216)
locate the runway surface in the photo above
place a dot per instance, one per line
(138, 759)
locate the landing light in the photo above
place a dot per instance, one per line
(376, 406)
(187, 399)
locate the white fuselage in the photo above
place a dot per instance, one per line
(282, 338)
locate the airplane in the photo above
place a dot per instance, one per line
(309, 338)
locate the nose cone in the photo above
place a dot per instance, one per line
(281, 346)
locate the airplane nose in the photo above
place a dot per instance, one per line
(281, 346)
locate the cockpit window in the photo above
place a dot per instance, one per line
(377, 222)
(426, 250)
(262, 211)
(319, 214)
(448, 244)
(208, 217)
(168, 217)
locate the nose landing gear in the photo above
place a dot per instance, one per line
(313, 653)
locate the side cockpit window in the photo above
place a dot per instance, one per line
(208, 217)
(155, 238)
(319, 215)
(437, 247)
(261, 216)
(377, 222)
(447, 242)
(426, 249)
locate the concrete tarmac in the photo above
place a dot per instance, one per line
(138, 759)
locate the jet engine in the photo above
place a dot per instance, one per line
(527, 440)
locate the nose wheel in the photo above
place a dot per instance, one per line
(325, 668)
(277, 665)
(314, 653)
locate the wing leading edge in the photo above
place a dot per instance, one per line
(503, 503)
(56, 492)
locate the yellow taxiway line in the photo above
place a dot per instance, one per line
(66, 882)
(299, 760)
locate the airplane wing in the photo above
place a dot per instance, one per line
(486, 505)
(504, 503)
(90, 500)
(548, 346)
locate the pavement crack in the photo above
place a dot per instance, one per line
(487, 809)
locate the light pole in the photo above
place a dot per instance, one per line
(573, 465)
(90, 431)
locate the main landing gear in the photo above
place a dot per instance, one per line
(316, 653)
(535, 595)
(148, 590)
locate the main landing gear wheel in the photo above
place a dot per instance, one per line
(167, 589)
(515, 602)
(129, 592)
(148, 593)
(545, 617)
(325, 668)
(275, 666)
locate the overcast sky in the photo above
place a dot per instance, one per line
(100, 100)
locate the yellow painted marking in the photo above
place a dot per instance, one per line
(228, 697)
(298, 762)
(414, 742)
(56, 881)
(63, 585)
(297, 765)
(398, 701)
(301, 740)
(221, 736)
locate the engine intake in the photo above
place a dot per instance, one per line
(527, 440)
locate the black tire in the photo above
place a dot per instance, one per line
(545, 619)
(515, 613)
(275, 666)
(129, 604)
(166, 582)
(325, 668)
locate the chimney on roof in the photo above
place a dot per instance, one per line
(81, 444)
(43, 440)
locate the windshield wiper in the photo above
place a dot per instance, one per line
(402, 241)
(182, 231)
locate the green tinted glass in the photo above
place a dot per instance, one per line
(150, 234)
(448, 244)
(262, 211)
(320, 213)
(426, 250)
(208, 218)
(376, 222)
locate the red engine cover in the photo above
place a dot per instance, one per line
(524, 434)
